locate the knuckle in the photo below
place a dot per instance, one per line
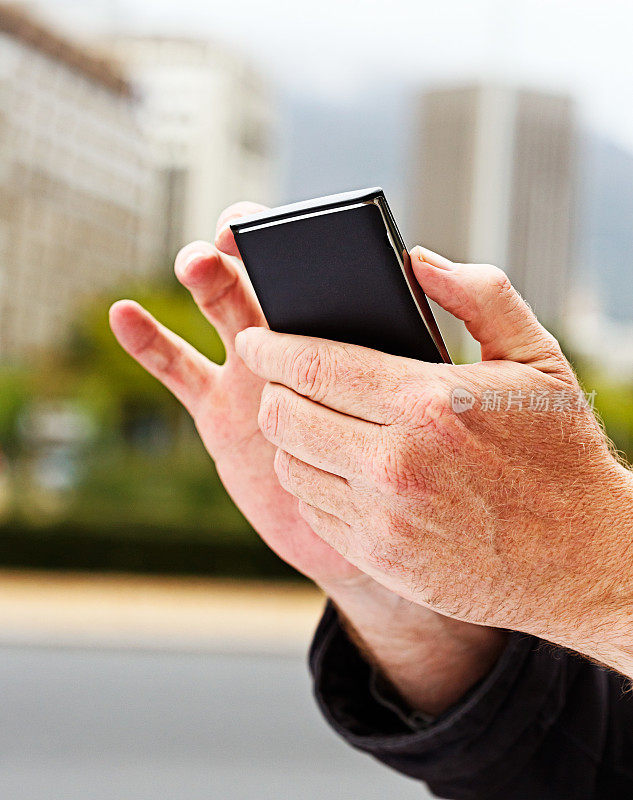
(499, 287)
(497, 282)
(221, 283)
(552, 349)
(555, 362)
(420, 400)
(392, 469)
(311, 371)
(441, 431)
(493, 285)
(428, 409)
(408, 463)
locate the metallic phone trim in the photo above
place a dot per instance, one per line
(419, 298)
(402, 256)
(270, 224)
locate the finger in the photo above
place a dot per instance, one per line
(176, 364)
(495, 314)
(315, 434)
(323, 490)
(347, 378)
(337, 533)
(224, 239)
(378, 558)
(221, 290)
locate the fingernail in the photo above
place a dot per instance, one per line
(426, 256)
(225, 227)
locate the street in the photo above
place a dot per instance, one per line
(90, 723)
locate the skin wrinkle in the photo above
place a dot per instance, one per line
(195, 276)
(311, 372)
(210, 303)
(269, 414)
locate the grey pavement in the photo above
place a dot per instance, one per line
(99, 724)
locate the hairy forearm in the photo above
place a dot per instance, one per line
(431, 660)
(599, 623)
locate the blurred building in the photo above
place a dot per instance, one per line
(494, 181)
(82, 205)
(605, 225)
(599, 320)
(211, 120)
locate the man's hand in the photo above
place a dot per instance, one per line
(517, 516)
(431, 659)
(224, 400)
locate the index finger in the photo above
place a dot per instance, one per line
(348, 378)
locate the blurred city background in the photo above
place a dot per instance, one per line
(501, 131)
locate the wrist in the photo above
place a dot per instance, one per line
(600, 624)
(431, 660)
(434, 670)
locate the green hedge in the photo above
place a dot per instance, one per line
(148, 549)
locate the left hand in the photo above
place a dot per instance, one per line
(514, 518)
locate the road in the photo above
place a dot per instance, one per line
(90, 723)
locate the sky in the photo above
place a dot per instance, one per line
(333, 49)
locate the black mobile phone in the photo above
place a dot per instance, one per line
(337, 268)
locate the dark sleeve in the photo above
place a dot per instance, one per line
(545, 724)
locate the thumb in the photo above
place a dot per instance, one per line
(494, 312)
